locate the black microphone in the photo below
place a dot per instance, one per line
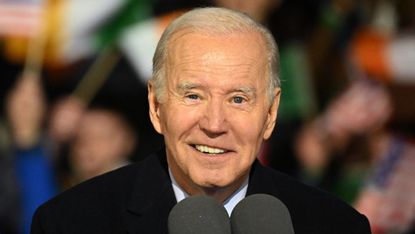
(198, 214)
(261, 213)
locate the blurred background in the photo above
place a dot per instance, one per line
(73, 95)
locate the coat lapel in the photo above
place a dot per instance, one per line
(151, 199)
(152, 196)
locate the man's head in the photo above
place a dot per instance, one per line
(214, 21)
(214, 96)
(103, 141)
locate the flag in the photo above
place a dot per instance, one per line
(78, 28)
(93, 24)
(20, 17)
(18, 48)
(139, 42)
(388, 199)
(383, 57)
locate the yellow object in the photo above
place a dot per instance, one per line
(43, 48)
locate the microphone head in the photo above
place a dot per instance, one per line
(198, 214)
(261, 213)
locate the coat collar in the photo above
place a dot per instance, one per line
(152, 195)
(260, 181)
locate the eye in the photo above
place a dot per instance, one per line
(192, 96)
(238, 99)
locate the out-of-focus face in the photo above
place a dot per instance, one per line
(215, 112)
(101, 144)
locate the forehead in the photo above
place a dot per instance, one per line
(94, 120)
(196, 55)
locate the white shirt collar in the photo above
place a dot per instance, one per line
(229, 204)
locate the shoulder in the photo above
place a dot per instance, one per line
(313, 210)
(99, 202)
(114, 183)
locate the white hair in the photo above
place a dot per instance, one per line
(212, 20)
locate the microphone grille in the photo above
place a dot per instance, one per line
(261, 213)
(198, 214)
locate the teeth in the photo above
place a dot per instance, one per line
(209, 150)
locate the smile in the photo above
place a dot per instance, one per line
(209, 150)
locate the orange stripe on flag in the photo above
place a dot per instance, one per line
(369, 53)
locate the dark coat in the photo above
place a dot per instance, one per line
(139, 197)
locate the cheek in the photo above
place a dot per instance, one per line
(248, 128)
(176, 124)
(249, 134)
(178, 119)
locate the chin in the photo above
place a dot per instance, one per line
(213, 182)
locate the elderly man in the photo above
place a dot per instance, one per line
(214, 97)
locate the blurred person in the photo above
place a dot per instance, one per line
(354, 150)
(335, 149)
(103, 142)
(351, 151)
(384, 51)
(65, 118)
(26, 110)
(94, 138)
(202, 97)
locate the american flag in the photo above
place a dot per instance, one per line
(389, 198)
(20, 17)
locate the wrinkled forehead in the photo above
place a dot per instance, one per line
(185, 35)
(231, 51)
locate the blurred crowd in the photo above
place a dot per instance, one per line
(74, 97)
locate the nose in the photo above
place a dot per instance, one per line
(214, 122)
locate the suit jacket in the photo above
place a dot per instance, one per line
(139, 197)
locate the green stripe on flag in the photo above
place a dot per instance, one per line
(132, 12)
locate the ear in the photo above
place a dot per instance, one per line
(154, 106)
(272, 114)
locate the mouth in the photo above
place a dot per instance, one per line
(209, 150)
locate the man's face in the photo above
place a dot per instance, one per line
(215, 112)
(101, 144)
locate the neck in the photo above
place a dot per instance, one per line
(219, 193)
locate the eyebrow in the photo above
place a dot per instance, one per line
(185, 86)
(247, 90)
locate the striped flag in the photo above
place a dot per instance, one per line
(388, 200)
(139, 42)
(20, 17)
(76, 29)
(383, 57)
